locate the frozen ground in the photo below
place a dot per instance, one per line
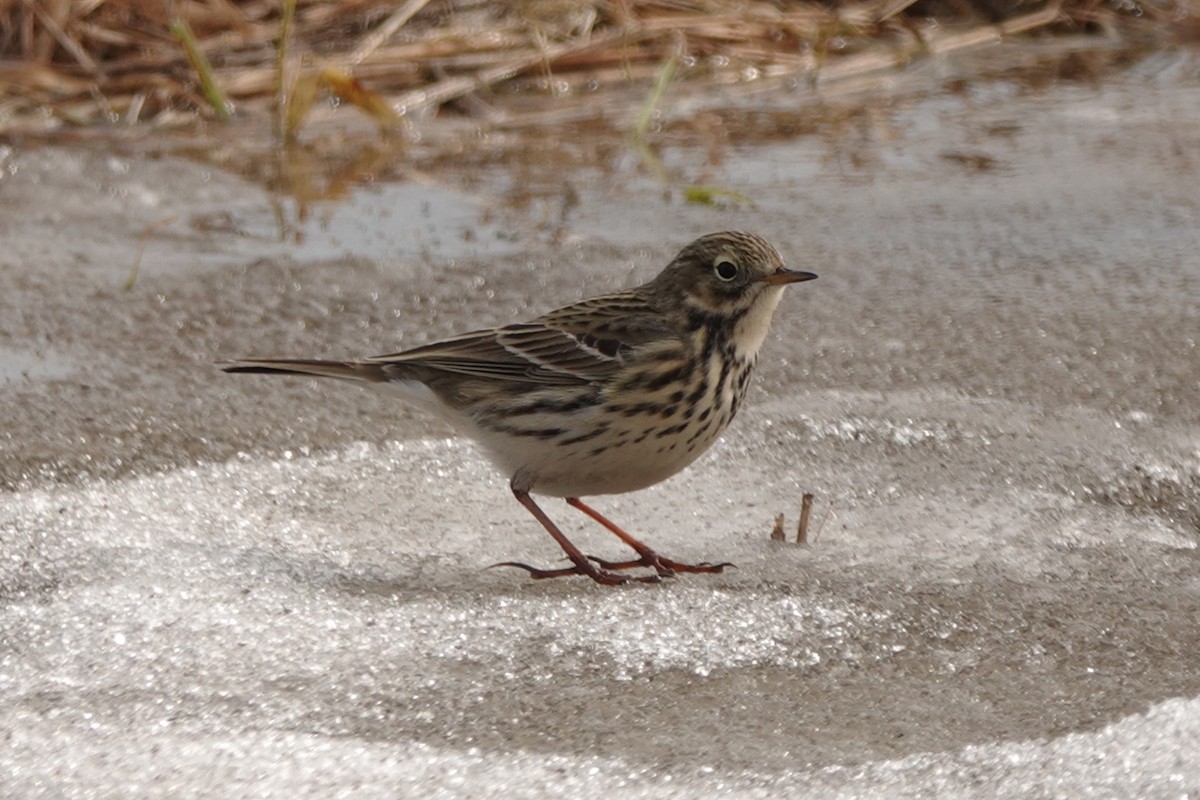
(230, 586)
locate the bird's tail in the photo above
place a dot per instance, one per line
(345, 370)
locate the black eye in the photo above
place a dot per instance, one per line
(726, 270)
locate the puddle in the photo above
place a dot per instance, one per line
(384, 220)
(586, 179)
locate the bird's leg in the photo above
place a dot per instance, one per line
(665, 567)
(583, 566)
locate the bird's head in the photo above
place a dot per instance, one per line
(728, 273)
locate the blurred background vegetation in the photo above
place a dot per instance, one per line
(174, 63)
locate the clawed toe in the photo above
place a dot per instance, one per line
(665, 567)
(599, 575)
(703, 566)
(619, 565)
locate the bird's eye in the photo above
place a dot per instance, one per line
(725, 269)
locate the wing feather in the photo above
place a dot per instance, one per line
(580, 343)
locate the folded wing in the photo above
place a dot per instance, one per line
(581, 343)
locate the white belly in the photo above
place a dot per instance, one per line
(624, 459)
(560, 459)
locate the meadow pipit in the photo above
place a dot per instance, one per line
(606, 395)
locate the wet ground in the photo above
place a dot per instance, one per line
(220, 585)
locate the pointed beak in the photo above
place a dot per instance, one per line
(783, 275)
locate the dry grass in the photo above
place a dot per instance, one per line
(170, 62)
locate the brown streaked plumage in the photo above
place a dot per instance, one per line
(607, 395)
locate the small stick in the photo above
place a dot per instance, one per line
(777, 533)
(380, 35)
(70, 45)
(806, 504)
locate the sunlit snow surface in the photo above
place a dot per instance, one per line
(324, 626)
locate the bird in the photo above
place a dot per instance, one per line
(607, 395)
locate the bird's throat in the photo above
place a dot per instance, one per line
(750, 330)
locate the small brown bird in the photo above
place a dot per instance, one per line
(603, 396)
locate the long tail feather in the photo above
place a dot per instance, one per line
(344, 370)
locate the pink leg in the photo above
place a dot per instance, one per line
(665, 567)
(583, 566)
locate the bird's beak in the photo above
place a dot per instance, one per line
(784, 275)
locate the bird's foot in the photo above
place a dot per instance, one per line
(665, 567)
(598, 574)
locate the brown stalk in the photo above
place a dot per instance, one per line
(70, 45)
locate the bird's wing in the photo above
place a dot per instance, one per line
(580, 343)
